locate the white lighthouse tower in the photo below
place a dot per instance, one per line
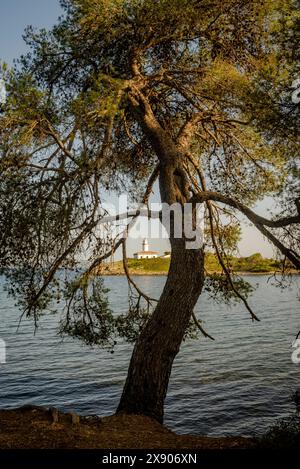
(145, 245)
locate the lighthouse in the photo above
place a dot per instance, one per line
(145, 253)
(145, 245)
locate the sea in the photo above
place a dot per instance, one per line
(239, 384)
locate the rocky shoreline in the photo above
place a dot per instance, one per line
(33, 427)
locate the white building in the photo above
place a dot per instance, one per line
(145, 253)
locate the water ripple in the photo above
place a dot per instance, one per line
(237, 385)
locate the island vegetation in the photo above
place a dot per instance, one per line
(254, 264)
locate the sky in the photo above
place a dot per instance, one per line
(15, 15)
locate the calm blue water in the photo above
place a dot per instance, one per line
(237, 385)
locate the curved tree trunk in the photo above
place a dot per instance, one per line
(150, 367)
(153, 355)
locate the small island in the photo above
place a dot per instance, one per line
(255, 264)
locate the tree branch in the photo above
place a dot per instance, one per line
(257, 220)
(217, 197)
(186, 133)
(127, 273)
(198, 324)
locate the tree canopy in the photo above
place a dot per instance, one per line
(109, 99)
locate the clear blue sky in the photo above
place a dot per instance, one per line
(15, 15)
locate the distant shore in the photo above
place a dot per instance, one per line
(117, 273)
(254, 265)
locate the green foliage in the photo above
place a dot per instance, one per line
(252, 264)
(255, 263)
(150, 265)
(130, 325)
(221, 289)
(88, 316)
(24, 284)
(285, 434)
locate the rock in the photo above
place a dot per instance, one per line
(75, 418)
(31, 408)
(54, 414)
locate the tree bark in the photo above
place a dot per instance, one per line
(151, 363)
(154, 352)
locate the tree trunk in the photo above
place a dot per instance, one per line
(154, 352)
(151, 363)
